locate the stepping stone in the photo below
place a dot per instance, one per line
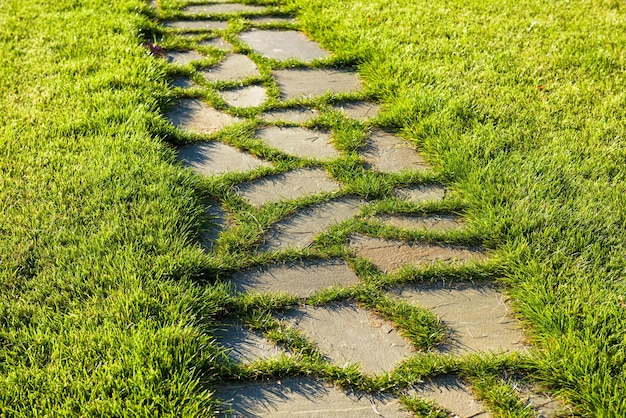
(250, 96)
(183, 57)
(217, 217)
(422, 193)
(390, 255)
(439, 222)
(452, 394)
(187, 25)
(195, 116)
(288, 186)
(347, 333)
(215, 158)
(299, 230)
(304, 397)
(387, 153)
(299, 142)
(302, 278)
(358, 110)
(475, 315)
(245, 345)
(272, 20)
(297, 115)
(217, 43)
(542, 403)
(234, 67)
(283, 45)
(183, 83)
(302, 83)
(224, 8)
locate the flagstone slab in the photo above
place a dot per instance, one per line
(299, 142)
(183, 57)
(348, 334)
(541, 402)
(299, 230)
(215, 158)
(272, 20)
(437, 222)
(235, 67)
(391, 255)
(296, 115)
(183, 83)
(195, 25)
(217, 223)
(388, 153)
(301, 278)
(195, 116)
(477, 317)
(250, 96)
(222, 8)
(284, 44)
(217, 43)
(452, 394)
(245, 345)
(421, 193)
(361, 110)
(287, 186)
(304, 397)
(300, 83)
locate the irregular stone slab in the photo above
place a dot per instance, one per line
(390, 255)
(387, 153)
(541, 402)
(183, 57)
(358, 110)
(245, 345)
(476, 316)
(217, 217)
(250, 96)
(299, 230)
(299, 142)
(282, 45)
(304, 397)
(346, 333)
(272, 20)
(224, 8)
(297, 115)
(195, 116)
(217, 43)
(301, 278)
(301, 83)
(193, 25)
(291, 185)
(214, 158)
(235, 67)
(454, 395)
(183, 83)
(438, 222)
(422, 193)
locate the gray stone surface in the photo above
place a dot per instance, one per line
(250, 96)
(296, 115)
(360, 110)
(476, 316)
(183, 57)
(390, 255)
(194, 25)
(183, 83)
(304, 397)
(299, 142)
(195, 116)
(235, 67)
(214, 158)
(301, 278)
(437, 222)
(301, 83)
(222, 8)
(217, 43)
(218, 222)
(291, 185)
(282, 45)
(299, 230)
(422, 193)
(347, 333)
(452, 394)
(544, 405)
(388, 153)
(245, 345)
(271, 20)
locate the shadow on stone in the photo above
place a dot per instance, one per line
(452, 394)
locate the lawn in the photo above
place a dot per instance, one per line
(108, 301)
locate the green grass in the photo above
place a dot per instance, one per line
(108, 302)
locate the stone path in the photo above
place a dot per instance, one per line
(476, 317)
